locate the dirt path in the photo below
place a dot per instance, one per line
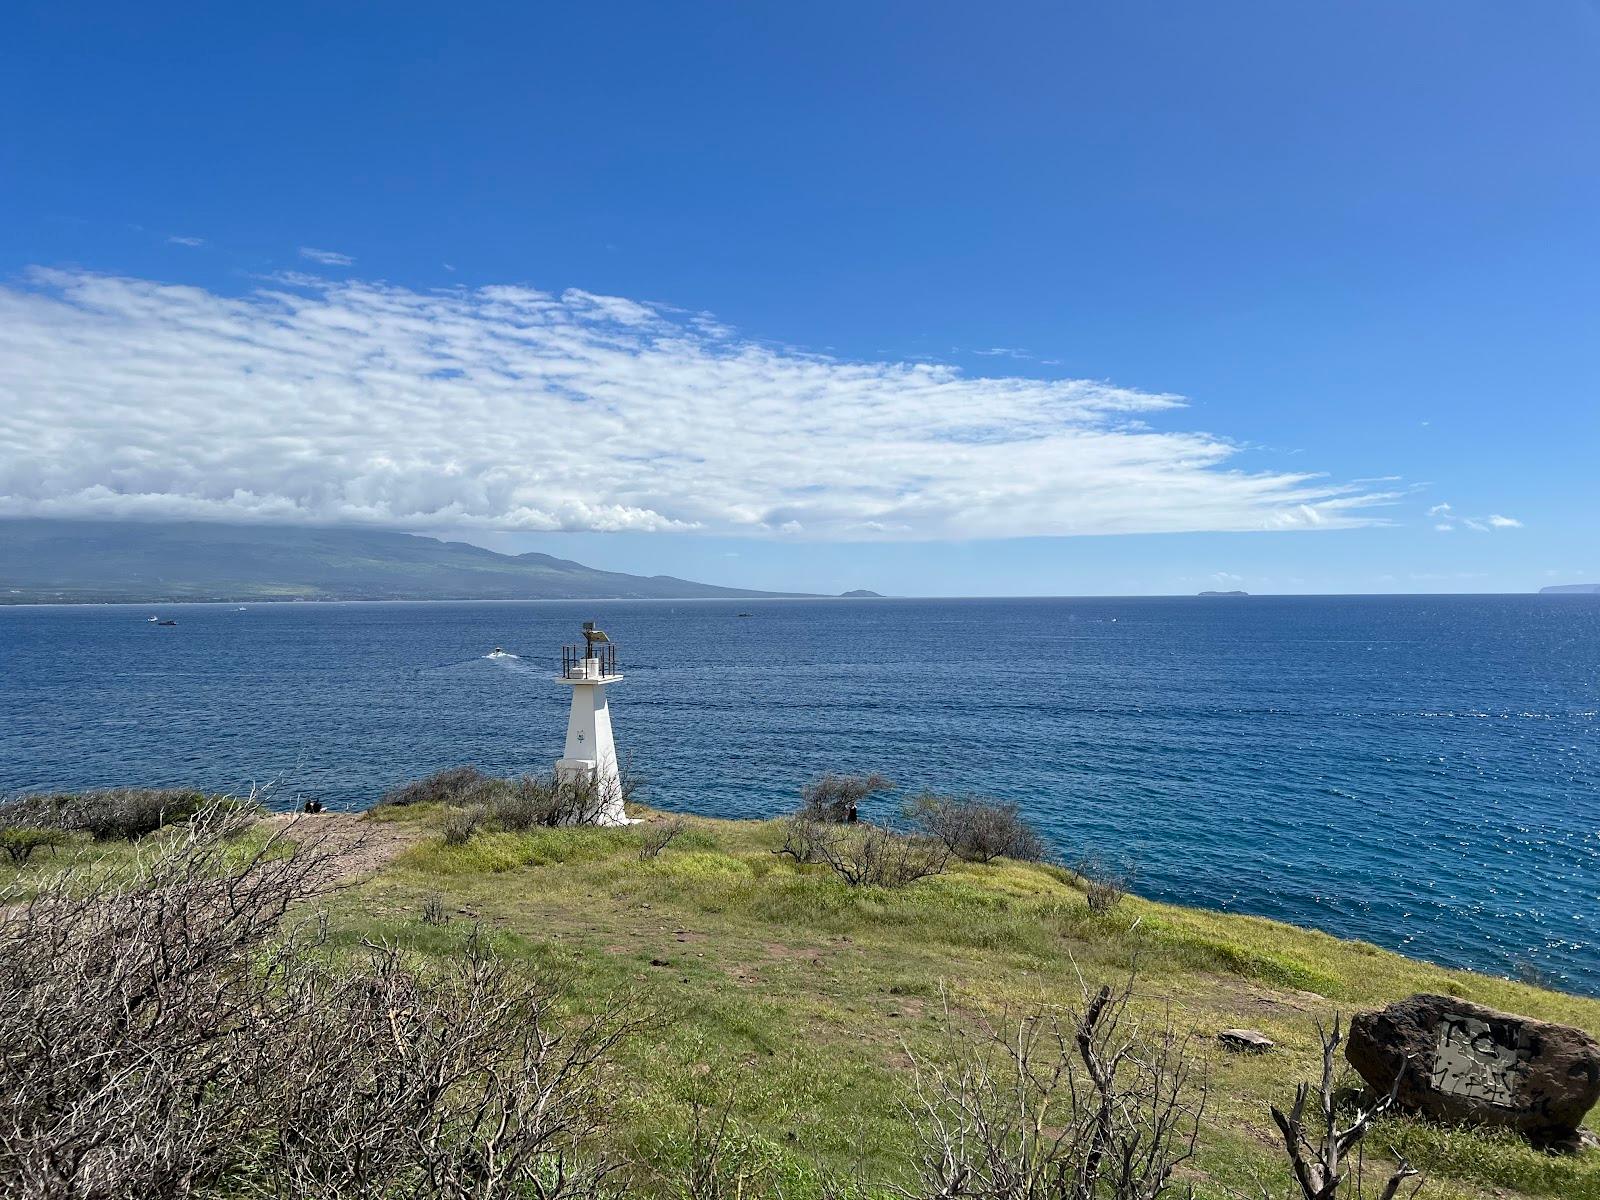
(359, 847)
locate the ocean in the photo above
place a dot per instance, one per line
(1421, 772)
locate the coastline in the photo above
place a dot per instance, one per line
(767, 597)
(807, 1005)
(816, 992)
(1206, 741)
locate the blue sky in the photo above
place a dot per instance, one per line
(894, 296)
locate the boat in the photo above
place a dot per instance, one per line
(744, 614)
(166, 622)
(154, 620)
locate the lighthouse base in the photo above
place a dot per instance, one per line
(606, 807)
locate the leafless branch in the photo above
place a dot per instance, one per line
(163, 1029)
(1075, 1106)
(1319, 1156)
(659, 836)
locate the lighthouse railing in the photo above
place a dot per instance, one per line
(589, 662)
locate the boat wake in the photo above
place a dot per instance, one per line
(500, 656)
(509, 661)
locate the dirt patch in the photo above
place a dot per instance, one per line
(1253, 997)
(742, 973)
(809, 954)
(358, 847)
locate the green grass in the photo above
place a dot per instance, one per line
(1499, 1160)
(807, 994)
(78, 851)
(803, 998)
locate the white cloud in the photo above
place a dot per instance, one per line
(510, 408)
(1448, 518)
(328, 258)
(186, 241)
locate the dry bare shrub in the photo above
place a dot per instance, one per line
(460, 825)
(659, 836)
(433, 912)
(161, 1036)
(877, 856)
(523, 803)
(1321, 1158)
(834, 798)
(549, 800)
(977, 828)
(864, 855)
(126, 1003)
(455, 785)
(440, 1080)
(1105, 886)
(719, 1161)
(1081, 1105)
(800, 838)
(108, 814)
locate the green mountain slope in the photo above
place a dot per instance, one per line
(44, 561)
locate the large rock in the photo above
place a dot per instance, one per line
(1468, 1063)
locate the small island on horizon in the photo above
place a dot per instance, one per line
(1233, 593)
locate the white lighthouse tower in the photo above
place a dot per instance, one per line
(591, 752)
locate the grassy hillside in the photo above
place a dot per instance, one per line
(806, 998)
(78, 561)
(804, 1003)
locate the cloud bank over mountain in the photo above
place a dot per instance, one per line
(317, 402)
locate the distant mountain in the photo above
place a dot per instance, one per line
(1224, 593)
(860, 594)
(44, 561)
(1571, 589)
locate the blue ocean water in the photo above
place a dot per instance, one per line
(1422, 772)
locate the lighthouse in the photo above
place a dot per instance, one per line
(591, 751)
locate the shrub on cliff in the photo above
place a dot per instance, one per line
(20, 841)
(862, 854)
(520, 804)
(1105, 884)
(1078, 1103)
(460, 824)
(544, 801)
(835, 797)
(976, 828)
(166, 1033)
(107, 814)
(455, 785)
